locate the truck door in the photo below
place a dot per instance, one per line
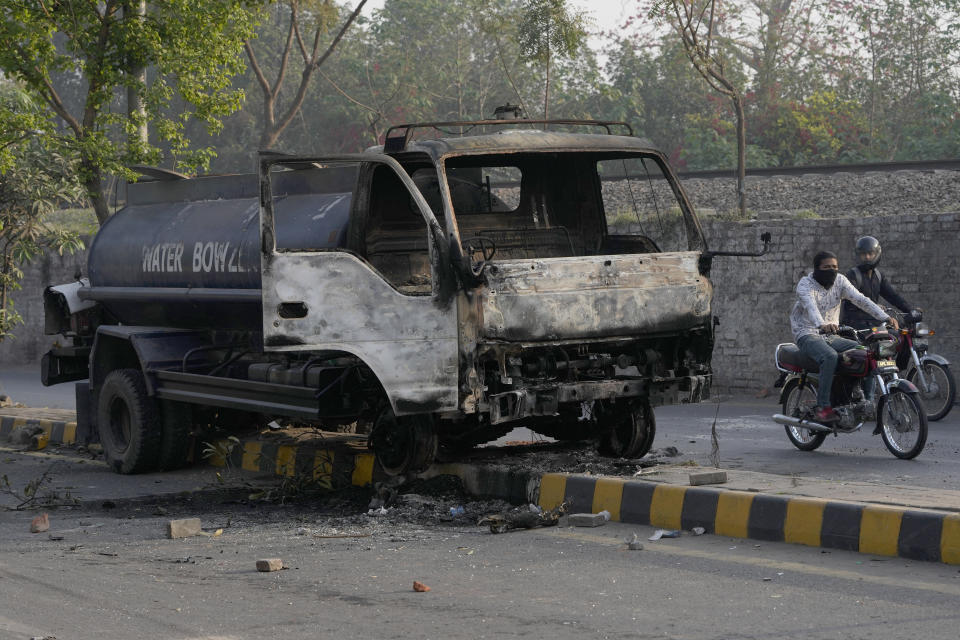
(373, 289)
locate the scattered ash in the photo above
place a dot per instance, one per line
(572, 458)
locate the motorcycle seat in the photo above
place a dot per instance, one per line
(790, 357)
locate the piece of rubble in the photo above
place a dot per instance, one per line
(420, 587)
(587, 519)
(25, 434)
(40, 524)
(698, 531)
(186, 528)
(521, 518)
(633, 543)
(269, 564)
(664, 533)
(708, 477)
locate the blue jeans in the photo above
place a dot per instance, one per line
(825, 350)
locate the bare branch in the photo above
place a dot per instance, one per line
(285, 56)
(257, 71)
(345, 94)
(270, 136)
(336, 41)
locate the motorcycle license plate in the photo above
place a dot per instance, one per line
(882, 364)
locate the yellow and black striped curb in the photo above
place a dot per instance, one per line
(347, 461)
(867, 528)
(56, 431)
(340, 464)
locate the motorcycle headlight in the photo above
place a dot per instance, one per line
(886, 349)
(923, 329)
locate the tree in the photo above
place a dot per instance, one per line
(315, 17)
(191, 48)
(464, 65)
(905, 72)
(33, 182)
(695, 22)
(549, 29)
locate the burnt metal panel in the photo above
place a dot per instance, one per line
(409, 342)
(594, 296)
(245, 395)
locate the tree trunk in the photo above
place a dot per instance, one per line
(741, 153)
(269, 138)
(136, 111)
(92, 180)
(546, 91)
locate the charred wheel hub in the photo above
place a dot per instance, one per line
(632, 432)
(404, 444)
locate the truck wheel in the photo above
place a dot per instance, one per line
(405, 444)
(176, 421)
(128, 423)
(632, 434)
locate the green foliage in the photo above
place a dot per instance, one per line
(549, 28)
(34, 181)
(824, 128)
(709, 142)
(191, 48)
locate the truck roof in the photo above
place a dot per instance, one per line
(519, 141)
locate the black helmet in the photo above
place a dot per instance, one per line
(868, 252)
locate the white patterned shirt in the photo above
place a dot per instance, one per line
(817, 306)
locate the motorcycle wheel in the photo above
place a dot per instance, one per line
(903, 423)
(941, 393)
(797, 402)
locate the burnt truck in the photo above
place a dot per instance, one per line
(438, 290)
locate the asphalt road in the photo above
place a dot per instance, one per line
(115, 576)
(750, 440)
(22, 384)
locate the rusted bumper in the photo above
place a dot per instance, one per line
(545, 400)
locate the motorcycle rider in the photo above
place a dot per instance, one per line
(871, 283)
(814, 322)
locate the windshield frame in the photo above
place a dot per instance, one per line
(696, 239)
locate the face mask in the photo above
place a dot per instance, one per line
(864, 267)
(825, 277)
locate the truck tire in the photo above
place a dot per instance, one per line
(128, 422)
(176, 422)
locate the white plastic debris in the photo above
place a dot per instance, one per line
(664, 533)
(377, 512)
(605, 514)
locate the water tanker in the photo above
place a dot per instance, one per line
(431, 291)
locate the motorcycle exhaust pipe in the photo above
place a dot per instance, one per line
(802, 424)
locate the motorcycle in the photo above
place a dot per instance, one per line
(900, 414)
(928, 371)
